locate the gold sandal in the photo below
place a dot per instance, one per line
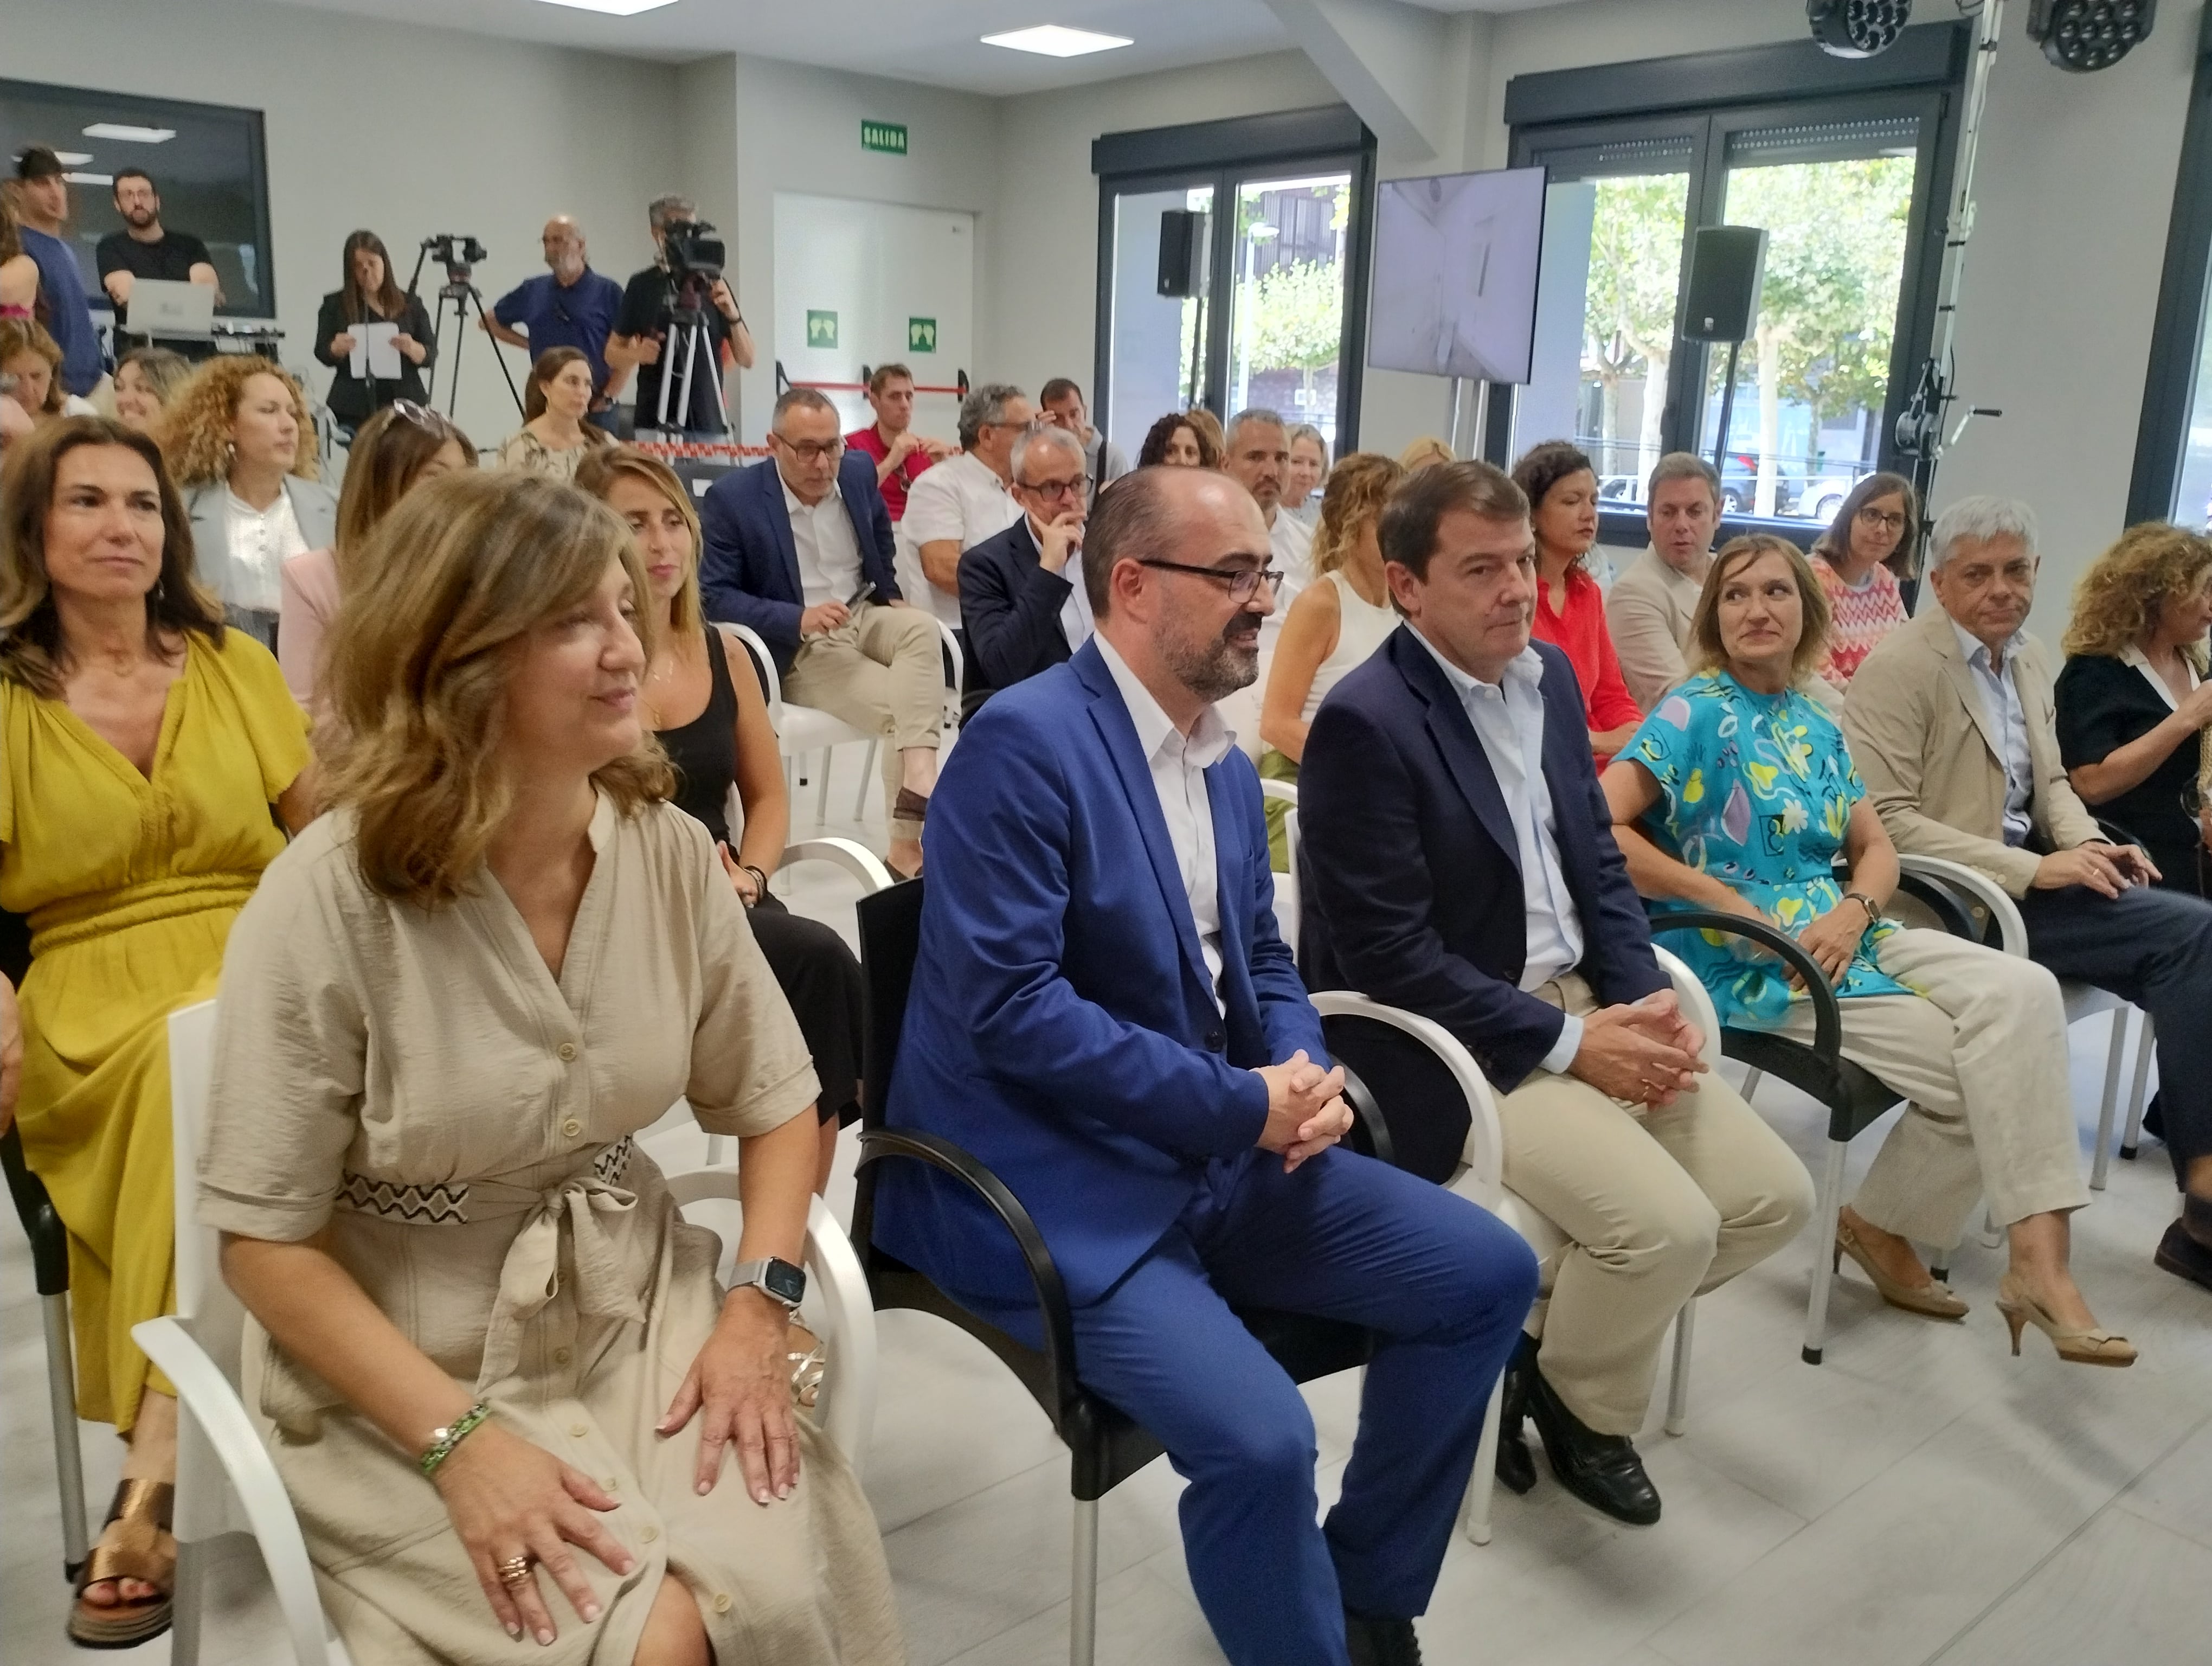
(808, 1358)
(2079, 1347)
(140, 1547)
(1932, 1300)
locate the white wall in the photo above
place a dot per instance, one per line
(402, 130)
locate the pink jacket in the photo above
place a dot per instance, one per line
(310, 586)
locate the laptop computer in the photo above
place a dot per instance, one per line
(161, 308)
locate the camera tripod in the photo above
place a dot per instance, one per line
(458, 291)
(689, 336)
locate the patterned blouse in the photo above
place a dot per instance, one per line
(1757, 791)
(1858, 619)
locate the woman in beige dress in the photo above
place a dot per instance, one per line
(554, 437)
(451, 1005)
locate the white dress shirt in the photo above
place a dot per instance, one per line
(2002, 710)
(1507, 716)
(1074, 612)
(828, 553)
(2133, 655)
(261, 542)
(959, 499)
(1178, 766)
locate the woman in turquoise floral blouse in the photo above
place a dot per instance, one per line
(1737, 795)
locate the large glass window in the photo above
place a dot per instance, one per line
(1288, 325)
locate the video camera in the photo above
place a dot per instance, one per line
(694, 254)
(457, 252)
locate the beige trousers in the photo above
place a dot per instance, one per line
(1660, 1205)
(883, 672)
(1980, 1053)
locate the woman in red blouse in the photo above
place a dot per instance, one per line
(1562, 488)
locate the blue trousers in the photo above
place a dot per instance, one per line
(2152, 948)
(1444, 1285)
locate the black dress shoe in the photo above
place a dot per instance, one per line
(1601, 1470)
(1379, 1642)
(2184, 1256)
(2197, 1219)
(1516, 1464)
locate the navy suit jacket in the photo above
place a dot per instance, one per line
(1410, 875)
(1010, 608)
(1061, 1026)
(749, 572)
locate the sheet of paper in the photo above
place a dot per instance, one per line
(375, 345)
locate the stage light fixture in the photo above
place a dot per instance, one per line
(1856, 28)
(2082, 35)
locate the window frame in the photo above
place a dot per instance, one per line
(1707, 98)
(2178, 324)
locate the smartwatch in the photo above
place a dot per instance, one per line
(775, 1278)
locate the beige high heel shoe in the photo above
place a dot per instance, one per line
(1932, 1300)
(2082, 1347)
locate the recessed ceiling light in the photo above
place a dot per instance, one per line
(121, 130)
(1057, 40)
(76, 178)
(612, 8)
(75, 158)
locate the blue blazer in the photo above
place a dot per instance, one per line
(1411, 889)
(1061, 1026)
(749, 572)
(1010, 608)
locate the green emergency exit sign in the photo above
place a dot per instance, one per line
(821, 329)
(886, 135)
(921, 334)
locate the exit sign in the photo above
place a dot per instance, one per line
(886, 135)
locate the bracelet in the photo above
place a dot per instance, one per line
(442, 1441)
(759, 879)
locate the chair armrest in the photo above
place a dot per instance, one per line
(1827, 1016)
(1287, 791)
(763, 665)
(1485, 1140)
(1933, 895)
(42, 1224)
(1695, 1000)
(956, 663)
(877, 1144)
(856, 858)
(1973, 888)
(206, 1397)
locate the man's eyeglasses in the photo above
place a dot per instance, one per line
(1053, 490)
(807, 451)
(1881, 518)
(1243, 582)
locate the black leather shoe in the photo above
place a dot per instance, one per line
(1379, 1642)
(2184, 1256)
(2197, 1219)
(1516, 1464)
(1601, 1470)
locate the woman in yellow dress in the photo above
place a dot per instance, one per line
(142, 745)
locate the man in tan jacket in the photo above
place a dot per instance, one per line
(1650, 606)
(1952, 726)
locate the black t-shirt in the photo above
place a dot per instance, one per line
(646, 299)
(171, 260)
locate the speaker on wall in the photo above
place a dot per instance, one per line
(1726, 263)
(1182, 246)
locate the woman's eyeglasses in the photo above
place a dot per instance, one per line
(1881, 519)
(1243, 582)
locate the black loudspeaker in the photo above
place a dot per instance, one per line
(1183, 246)
(1726, 263)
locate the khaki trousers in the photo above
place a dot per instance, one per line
(1980, 1052)
(883, 672)
(1660, 1205)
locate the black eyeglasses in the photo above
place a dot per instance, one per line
(1243, 582)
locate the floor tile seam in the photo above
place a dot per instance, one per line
(969, 1496)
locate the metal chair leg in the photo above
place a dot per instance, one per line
(1824, 1252)
(1083, 1593)
(188, 1602)
(1751, 1081)
(867, 776)
(1678, 1386)
(822, 796)
(2101, 1159)
(2146, 1049)
(1482, 1485)
(61, 1406)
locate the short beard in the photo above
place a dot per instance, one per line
(1214, 671)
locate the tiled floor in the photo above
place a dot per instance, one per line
(1922, 1497)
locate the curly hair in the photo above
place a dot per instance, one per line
(1707, 652)
(1353, 501)
(419, 659)
(23, 335)
(1153, 453)
(195, 431)
(2117, 601)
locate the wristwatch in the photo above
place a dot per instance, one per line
(1872, 908)
(773, 1277)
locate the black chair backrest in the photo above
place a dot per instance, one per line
(890, 940)
(14, 947)
(760, 671)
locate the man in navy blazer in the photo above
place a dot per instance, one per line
(1104, 1013)
(1458, 861)
(790, 544)
(1021, 599)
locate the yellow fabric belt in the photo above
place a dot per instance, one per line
(78, 918)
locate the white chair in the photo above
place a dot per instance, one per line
(1986, 900)
(1483, 1183)
(1286, 885)
(225, 1483)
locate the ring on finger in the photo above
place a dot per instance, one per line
(515, 1570)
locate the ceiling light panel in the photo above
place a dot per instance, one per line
(134, 135)
(1056, 40)
(611, 7)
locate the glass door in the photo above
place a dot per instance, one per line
(1287, 326)
(1157, 359)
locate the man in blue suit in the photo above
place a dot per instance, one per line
(1458, 861)
(1104, 1013)
(1021, 591)
(799, 548)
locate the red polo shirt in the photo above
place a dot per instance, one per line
(869, 441)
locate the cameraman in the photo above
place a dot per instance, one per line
(641, 337)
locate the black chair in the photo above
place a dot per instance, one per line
(1105, 1447)
(49, 1272)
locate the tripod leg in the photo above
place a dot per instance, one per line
(477, 295)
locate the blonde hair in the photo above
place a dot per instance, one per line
(195, 428)
(597, 474)
(1351, 501)
(388, 454)
(1706, 652)
(418, 663)
(28, 335)
(2117, 599)
(1424, 452)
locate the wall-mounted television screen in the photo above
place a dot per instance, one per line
(206, 160)
(1455, 262)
